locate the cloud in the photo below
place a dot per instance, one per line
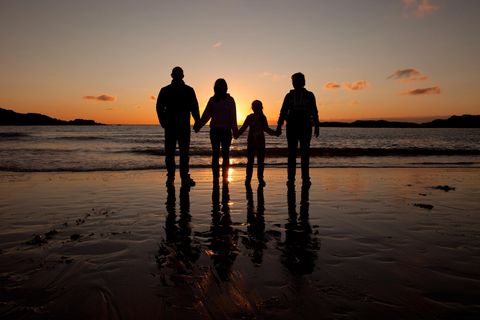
(153, 98)
(357, 85)
(331, 86)
(273, 76)
(103, 97)
(419, 8)
(423, 91)
(217, 44)
(425, 8)
(408, 75)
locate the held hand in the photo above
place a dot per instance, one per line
(317, 132)
(279, 131)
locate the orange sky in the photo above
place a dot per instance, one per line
(397, 59)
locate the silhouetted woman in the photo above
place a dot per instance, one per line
(222, 111)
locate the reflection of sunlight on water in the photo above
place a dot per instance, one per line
(230, 174)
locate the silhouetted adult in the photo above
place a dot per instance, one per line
(299, 110)
(222, 111)
(175, 103)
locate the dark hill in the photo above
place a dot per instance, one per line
(465, 121)
(12, 118)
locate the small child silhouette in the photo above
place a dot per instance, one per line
(256, 141)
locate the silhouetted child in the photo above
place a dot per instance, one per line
(256, 140)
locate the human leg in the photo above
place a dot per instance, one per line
(305, 154)
(170, 145)
(215, 141)
(292, 142)
(226, 141)
(261, 165)
(250, 161)
(184, 147)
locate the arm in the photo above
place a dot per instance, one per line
(245, 125)
(207, 114)
(283, 115)
(234, 120)
(194, 107)
(160, 107)
(266, 128)
(314, 112)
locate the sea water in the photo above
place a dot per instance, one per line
(140, 147)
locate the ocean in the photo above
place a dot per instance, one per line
(140, 147)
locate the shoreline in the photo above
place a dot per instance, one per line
(355, 245)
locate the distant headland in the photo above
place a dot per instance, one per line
(12, 118)
(464, 121)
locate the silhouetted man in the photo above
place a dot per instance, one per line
(175, 103)
(299, 109)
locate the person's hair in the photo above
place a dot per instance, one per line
(220, 89)
(177, 73)
(298, 80)
(257, 106)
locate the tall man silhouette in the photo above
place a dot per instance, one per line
(175, 103)
(299, 109)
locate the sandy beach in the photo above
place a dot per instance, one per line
(361, 243)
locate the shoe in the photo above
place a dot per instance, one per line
(188, 182)
(306, 183)
(170, 181)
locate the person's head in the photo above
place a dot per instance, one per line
(177, 74)
(220, 88)
(257, 106)
(298, 80)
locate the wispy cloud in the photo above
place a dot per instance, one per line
(357, 85)
(273, 76)
(419, 8)
(217, 44)
(407, 75)
(103, 97)
(423, 91)
(331, 86)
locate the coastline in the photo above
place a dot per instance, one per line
(118, 240)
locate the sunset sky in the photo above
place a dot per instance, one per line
(364, 59)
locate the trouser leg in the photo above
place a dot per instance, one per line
(292, 142)
(184, 148)
(260, 162)
(305, 154)
(215, 141)
(226, 142)
(170, 145)
(250, 161)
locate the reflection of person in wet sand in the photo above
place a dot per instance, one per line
(223, 237)
(178, 233)
(256, 240)
(300, 246)
(299, 109)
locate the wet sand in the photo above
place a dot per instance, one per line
(359, 244)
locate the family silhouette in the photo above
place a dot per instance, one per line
(177, 103)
